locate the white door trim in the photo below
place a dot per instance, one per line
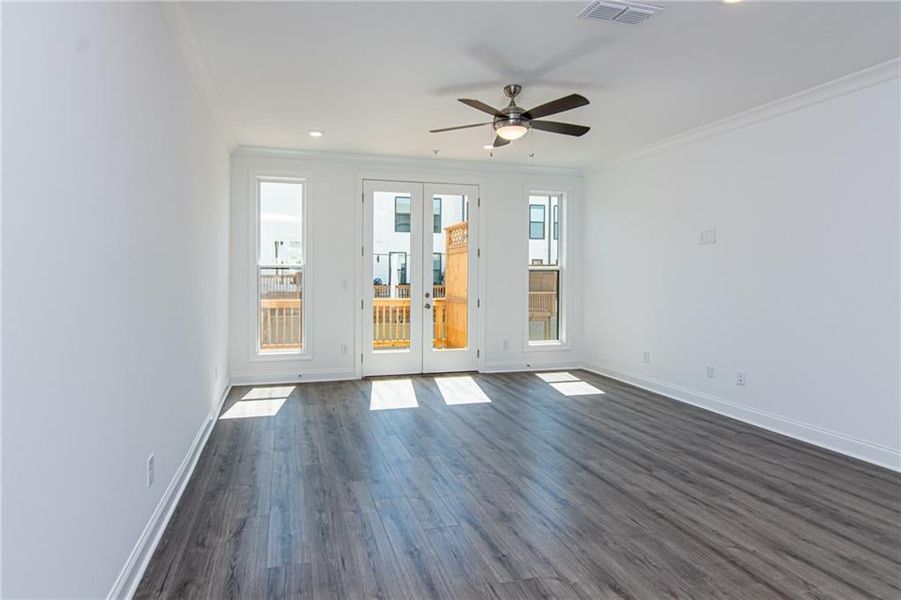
(389, 362)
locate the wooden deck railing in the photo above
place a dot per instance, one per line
(280, 324)
(541, 303)
(381, 290)
(281, 327)
(391, 323)
(276, 283)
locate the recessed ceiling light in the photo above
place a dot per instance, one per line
(315, 133)
(731, 1)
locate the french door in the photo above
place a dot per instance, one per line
(420, 276)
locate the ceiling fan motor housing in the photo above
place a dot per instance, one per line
(514, 114)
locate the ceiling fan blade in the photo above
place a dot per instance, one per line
(476, 104)
(556, 106)
(564, 128)
(499, 141)
(458, 127)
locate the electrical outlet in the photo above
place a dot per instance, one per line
(151, 469)
(710, 372)
(647, 356)
(741, 378)
(506, 345)
(344, 351)
(708, 236)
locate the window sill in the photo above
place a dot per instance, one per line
(280, 356)
(554, 346)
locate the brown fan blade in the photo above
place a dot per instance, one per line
(556, 106)
(482, 107)
(499, 141)
(458, 127)
(564, 128)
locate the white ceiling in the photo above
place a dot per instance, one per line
(377, 76)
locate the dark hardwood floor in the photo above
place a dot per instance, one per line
(535, 494)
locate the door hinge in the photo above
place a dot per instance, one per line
(361, 358)
(361, 305)
(478, 303)
(363, 197)
(478, 352)
(478, 253)
(362, 253)
(479, 201)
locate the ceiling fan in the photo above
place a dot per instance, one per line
(512, 122)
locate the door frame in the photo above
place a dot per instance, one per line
(417, 178)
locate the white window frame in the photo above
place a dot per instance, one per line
(306, 351)
(562, 341)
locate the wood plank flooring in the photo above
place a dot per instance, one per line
(534, 494)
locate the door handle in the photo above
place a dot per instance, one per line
(427, 295)
(427, 305)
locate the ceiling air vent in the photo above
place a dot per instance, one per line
(622, 12)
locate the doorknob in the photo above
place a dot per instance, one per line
(427, 305)
(427, 295)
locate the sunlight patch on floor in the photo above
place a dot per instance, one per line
(248, 409)
(557, 377)
(266, 392)
(391, 394)
(568, 384)
(575, 388)
(461, 389)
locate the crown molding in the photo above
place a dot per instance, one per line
(404, 162)
(868, 77)
(180, 25)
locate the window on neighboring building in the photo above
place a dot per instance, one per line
(437, 269)
(536, 221)
(280, 265)
(402, 214)
(436, 215)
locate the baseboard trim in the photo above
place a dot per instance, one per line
(305, 377)
(876, 454)
(514, 366)
(127, 582)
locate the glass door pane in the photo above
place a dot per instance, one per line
(391, 249)
(450, 278)
(450, 268)
(392, 280)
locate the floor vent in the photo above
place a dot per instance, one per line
(622, 12)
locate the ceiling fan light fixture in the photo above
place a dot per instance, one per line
(512, 132)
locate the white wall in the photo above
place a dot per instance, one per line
(800, 290)
(114, 285)
(334, 197)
